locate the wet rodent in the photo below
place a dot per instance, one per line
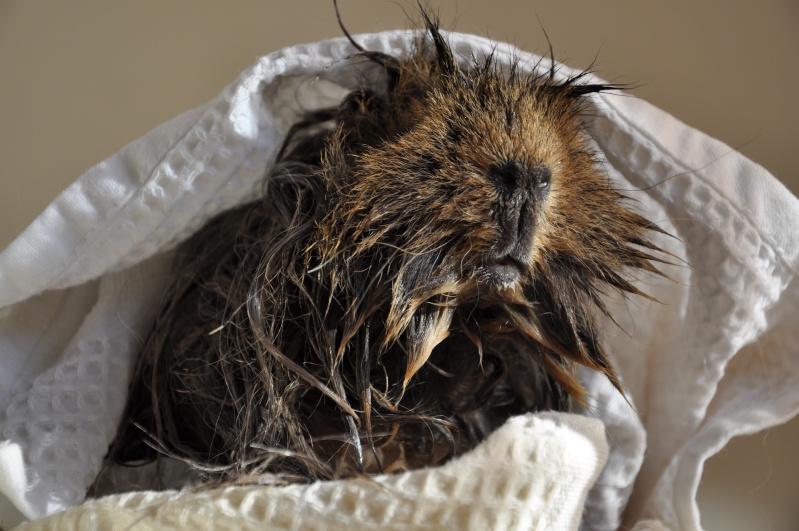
(427, 261)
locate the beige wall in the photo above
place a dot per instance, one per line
(80, 79)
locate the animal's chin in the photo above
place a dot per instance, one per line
(502, 274)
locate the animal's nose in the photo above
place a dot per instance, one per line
(517, 181)
(506, 178)
(520, 191)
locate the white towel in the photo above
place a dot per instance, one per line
(532, 473)
(717, 357)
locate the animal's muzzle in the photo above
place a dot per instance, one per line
(521, 191)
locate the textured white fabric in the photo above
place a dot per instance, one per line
(13, 508)
(532, 473)
(715, 358)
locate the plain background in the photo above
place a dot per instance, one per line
(80, 79)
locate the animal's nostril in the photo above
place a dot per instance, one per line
(505, 177)
(511, 178)
(542, 177)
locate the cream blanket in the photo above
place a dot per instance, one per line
(715, 358)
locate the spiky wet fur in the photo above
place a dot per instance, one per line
(351, 321)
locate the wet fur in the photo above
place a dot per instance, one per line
(427, 261)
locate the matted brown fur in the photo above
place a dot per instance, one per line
(426, 262)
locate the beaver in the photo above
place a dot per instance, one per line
(428, 260)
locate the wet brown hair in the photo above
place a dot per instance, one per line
(427, 260)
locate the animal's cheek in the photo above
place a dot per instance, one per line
(485, 236)
(553, 212)
(559, 193)
(469, 204)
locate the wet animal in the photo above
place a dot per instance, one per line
(427, 260)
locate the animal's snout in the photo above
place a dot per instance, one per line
(520, 192)
(515, 182)
(507, 178)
